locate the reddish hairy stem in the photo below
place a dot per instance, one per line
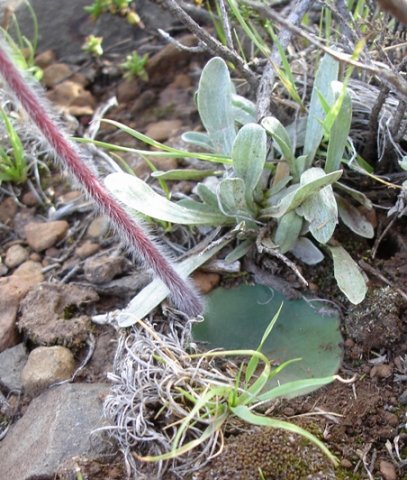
(183, 296)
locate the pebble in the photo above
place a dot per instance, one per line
(381, 371)
(46, 366)
(128, 90)
(12, 362)
(390, 419)
(98, 227)
(30, 270)
(72, 98)
(41, 236)
(12, 290)
(29, 199)
(163, 129)
(55, 73)
(15, 256)
(45, 59)
(103, 269)
(388, 470)
(87, 249)
(8, 210)
(3, 269)
(205, 282)
(345, 463)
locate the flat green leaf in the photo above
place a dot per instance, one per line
(307, 252)
(249, 156)
(236, 319)
(283, 141)
(288, 230)
(348, 276)
(138, 198)
(338, 135)
(199, 139)
(232, 198)
(312, 180)
(327, 72)
(185, 174)
(214, 101)
(354, 219)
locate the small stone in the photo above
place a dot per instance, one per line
(29, 199)
(128, 89)
(41, 236)
(349, 343)
(403, 398)
(45, 59)
(72, 98)
(381, 371)
(163, 129)
(182, 81)
(345, 463)
(12, 290)
(30, 270)
(98, 227)
(87, 249)
(12, 362)
(388, 470)
(205, 282)
(70, 196)
(3, 270)
(164, 164)
(35, 257)
(46, 366)
(390, 418)
(56, 73)
(8, 210)
(15, 256)
(104, 268)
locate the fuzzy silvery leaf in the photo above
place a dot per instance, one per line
(239, 251)
(288, 230)
(354, 219)
(338, 135)
(283, 143)
(232, 198)
(203, 209)
(199, 139)
(249, 156)
(348, 276)
(355, 194)
(207, 196)
(327, 72)
(214, 101)
(244, 111)
(155, 292)
(307, 252)
(312, 180)
(320, 211)
(138, 198)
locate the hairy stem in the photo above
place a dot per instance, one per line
(183, 296)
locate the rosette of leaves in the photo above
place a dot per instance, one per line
(281, 185)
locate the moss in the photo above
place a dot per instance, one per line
(279, 454)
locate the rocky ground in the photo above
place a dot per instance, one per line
(60, 265)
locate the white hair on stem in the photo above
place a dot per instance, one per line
(67, 153)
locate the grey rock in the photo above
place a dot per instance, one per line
(56, 426)
(64, 25)
(12, 362)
